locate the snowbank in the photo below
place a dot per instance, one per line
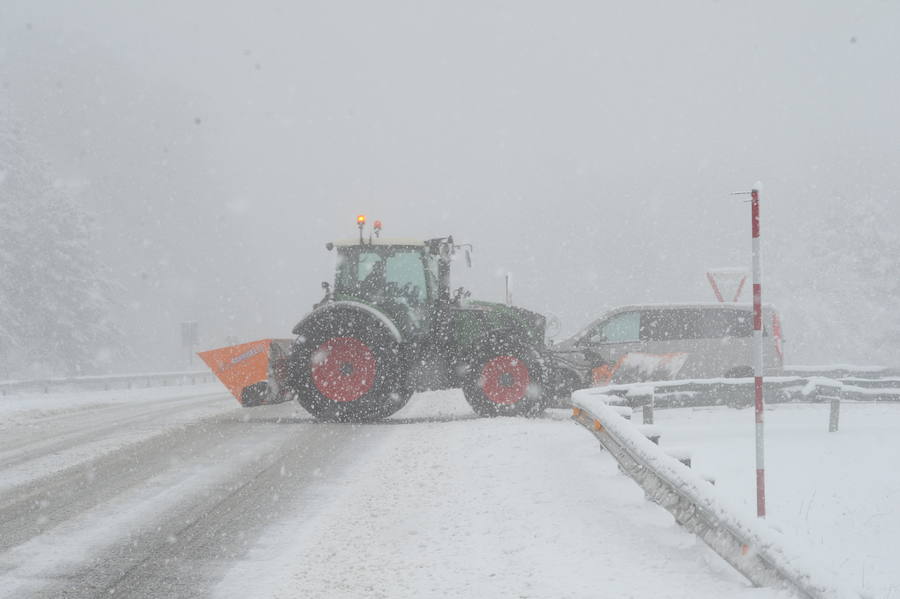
(714, 516)
(835, 494)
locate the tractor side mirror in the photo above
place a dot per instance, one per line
(327, 287)
(460, 294)
(468, 258)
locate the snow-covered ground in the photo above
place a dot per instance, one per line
(176, 492)
(30, 407)
(462, 507)
(45, 433)
(834, 493)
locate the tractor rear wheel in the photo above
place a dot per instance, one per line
(346, 366)
(505, 378)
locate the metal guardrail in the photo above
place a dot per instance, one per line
(105, 382)
(747, 544)
(841, 371)
(739, 392)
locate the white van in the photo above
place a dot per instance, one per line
(670, 341)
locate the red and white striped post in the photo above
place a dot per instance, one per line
(758, 356)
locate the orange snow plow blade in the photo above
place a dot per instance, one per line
(245, 369)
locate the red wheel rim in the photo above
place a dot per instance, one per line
(506, 380)
(343, 369)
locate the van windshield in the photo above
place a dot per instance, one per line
(620, 328)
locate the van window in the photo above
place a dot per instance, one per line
(718, 323)
(695, 323)
(620, 328)
(671, 324)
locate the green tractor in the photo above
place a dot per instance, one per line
(391, 326)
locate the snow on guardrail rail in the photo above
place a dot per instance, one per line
(738, 392)
(110, 381)
(839, 371)
(749, 545)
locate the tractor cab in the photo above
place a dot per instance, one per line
(386, 269)
(407, 279)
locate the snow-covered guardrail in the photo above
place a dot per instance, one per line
(842, 371)
(751, 547)
(111, 381)
(739, 391)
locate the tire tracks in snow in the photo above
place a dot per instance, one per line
(162, 517)
(91, 424)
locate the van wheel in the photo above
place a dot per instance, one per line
(741, 372)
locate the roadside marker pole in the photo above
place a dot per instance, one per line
(758, 357)
(757, 352)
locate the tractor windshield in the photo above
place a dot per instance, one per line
(377, 273)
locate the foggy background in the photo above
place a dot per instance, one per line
(589, 148)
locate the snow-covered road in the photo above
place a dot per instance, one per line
(177, 493)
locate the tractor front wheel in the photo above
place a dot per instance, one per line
(505, 378)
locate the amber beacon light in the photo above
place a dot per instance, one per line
(361, 222)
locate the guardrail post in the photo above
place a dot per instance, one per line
(651, 432)
(834, 415)
(648, 408)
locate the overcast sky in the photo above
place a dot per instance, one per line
(589, 148)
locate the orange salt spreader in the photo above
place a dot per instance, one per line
(253, 372)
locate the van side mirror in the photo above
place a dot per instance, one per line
(589, 340)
